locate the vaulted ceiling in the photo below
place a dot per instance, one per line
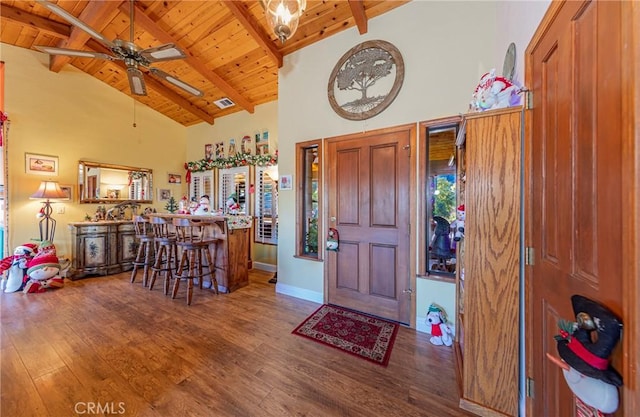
(231, 51)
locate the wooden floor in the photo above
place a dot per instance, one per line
(104, 346)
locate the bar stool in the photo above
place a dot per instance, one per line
(195, 247)
(164, 239)
(145, 254)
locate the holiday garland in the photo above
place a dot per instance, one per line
(239, 160)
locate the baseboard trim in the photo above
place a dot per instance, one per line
(300, 293)
(265, 266)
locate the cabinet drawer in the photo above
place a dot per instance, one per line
(92, 229)
(126, 228)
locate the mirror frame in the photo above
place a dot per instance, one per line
(82, 168)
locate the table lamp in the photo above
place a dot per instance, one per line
(48, 190)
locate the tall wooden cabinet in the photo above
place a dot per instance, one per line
(489, 293)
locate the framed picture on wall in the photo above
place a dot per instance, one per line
(286, 182)
(41, 164)
(68, 190)
(208, 151)
(164, 194)
(174, 179)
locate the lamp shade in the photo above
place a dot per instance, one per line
(49, 190)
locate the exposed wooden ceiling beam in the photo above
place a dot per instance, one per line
(158, 87)
(255, 31)
(44, 25)
(146, 23)
(357, 10)
(96, 12)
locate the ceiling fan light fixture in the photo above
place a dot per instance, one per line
(165, 52)
(136, 81)
(283, 16)
(177, 82)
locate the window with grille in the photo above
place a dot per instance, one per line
(266, 205)
(233, 190)
(202, 184)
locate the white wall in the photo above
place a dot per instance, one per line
(446, 47)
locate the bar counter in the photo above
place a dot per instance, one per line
(232, 251)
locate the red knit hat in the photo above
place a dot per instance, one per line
(39, 262)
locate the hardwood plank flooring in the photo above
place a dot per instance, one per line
(104, 346)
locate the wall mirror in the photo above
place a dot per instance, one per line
(107, 183)
(441, 198)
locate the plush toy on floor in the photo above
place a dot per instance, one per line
(43, 270)
(441, 332)
(14, 268)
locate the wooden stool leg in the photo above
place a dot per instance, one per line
(189, 290)
(148, 258)
(136, 263)
(157, 266)
(212, 270)
(200, 275)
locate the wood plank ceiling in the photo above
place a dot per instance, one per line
(231, 51)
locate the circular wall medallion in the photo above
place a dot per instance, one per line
(366, 80)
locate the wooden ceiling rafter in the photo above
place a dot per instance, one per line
(357, 10)
(95, 13)
(255, 31)
(231, 51)
(44, 25)
(146, 23)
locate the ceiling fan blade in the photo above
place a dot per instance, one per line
(177, 82)
(136, 81)
(54, 8)
(74, 52)
(164, 52)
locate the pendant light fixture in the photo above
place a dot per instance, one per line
(283, 16)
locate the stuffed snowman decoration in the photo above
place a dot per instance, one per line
(585, 359)
(203, 205)
(15, 267)
(43, 270)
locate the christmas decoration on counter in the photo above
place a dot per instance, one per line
(237, 160)
(585, 357)
(172, 205)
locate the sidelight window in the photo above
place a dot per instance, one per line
(308, 202)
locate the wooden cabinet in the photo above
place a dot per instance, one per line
(232, 260)
(102, 248)
(489, 293)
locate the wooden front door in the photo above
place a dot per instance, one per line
(575, 143)
(369, 204)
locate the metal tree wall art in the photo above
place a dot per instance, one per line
(366, 80)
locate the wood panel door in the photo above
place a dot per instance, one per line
(368, 180)
(576, 148)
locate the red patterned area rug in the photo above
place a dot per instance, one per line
(356, 333)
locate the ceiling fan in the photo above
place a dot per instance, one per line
(126, 51)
